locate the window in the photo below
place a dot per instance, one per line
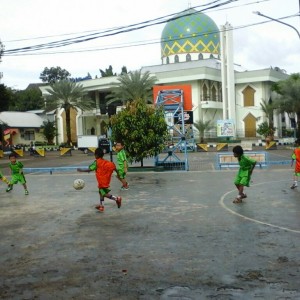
(200, 56)
(248, 93)
(176, 59)
(214, 93)
(205, 95)
(188, 57)
(29, 135)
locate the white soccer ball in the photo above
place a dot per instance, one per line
(78, 184)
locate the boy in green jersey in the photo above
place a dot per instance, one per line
(17, 174)
(122, 165)
(243, 176)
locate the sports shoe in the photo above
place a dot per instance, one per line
(100, 207)
(244, 196)
(119, 201)
(26, 192)
(10, 187)
(124, 188)
(238, 199)
(294, 185)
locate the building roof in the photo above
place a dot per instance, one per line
(21, 119)
(190, 31)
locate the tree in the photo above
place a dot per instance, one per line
(1, 50)
(29, 99)
(202, 126)
(124, 70)
(108, 72)
(6, 96)
(53, 75)
(133, 86)
(49, 131)
(68, 95)
(289, 96)
(268, 108)
(142, 128)
(265, 130)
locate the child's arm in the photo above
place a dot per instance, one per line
(252, 168)
(125, 166)
(83, 170)
(292, 162)
(91, 167)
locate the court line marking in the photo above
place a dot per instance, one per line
(221, 202)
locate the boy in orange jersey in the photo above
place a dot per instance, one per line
(296, 157)
(103, 170)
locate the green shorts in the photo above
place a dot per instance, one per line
(242, 180)
(104, 191)
(15, 178)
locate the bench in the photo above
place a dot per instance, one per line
(227, 160)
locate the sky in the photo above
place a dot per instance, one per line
(258, 41)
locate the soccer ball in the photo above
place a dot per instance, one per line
(78, 184)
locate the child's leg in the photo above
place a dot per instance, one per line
(10, 186)
(100, 206)
(118, 199)
(4, 179)
(121, 176)
(295, 179)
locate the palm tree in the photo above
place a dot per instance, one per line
(133, 86)
(268, 108)
(289, 100)
(68, 95)
(202, 126)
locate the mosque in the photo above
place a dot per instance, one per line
(198, 55)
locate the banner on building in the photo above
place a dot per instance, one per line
(7, 135)
(225, 128)
(188, 118)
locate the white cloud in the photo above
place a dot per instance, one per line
(260, 46)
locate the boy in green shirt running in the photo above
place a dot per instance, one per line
(17, 174)
(122, 165)
(243, 176)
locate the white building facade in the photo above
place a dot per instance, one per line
(195, 52)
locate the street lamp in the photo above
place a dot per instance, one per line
(262, 15)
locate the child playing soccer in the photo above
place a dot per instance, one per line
(122, 165)
(243, 176)
(17, 174)
(103, 170)
(296, 157)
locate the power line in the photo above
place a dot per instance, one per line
(106, 33)
(39, 49)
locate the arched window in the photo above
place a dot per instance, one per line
(200, 56)
(176, 59)
(248, 93)
(205, 94)
(188, 57)
(168, 60)
(213, 94)
(250, 125)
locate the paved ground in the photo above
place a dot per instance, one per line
(177, 235)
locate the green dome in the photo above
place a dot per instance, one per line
(194, 32)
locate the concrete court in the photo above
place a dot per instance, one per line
(177, 236)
